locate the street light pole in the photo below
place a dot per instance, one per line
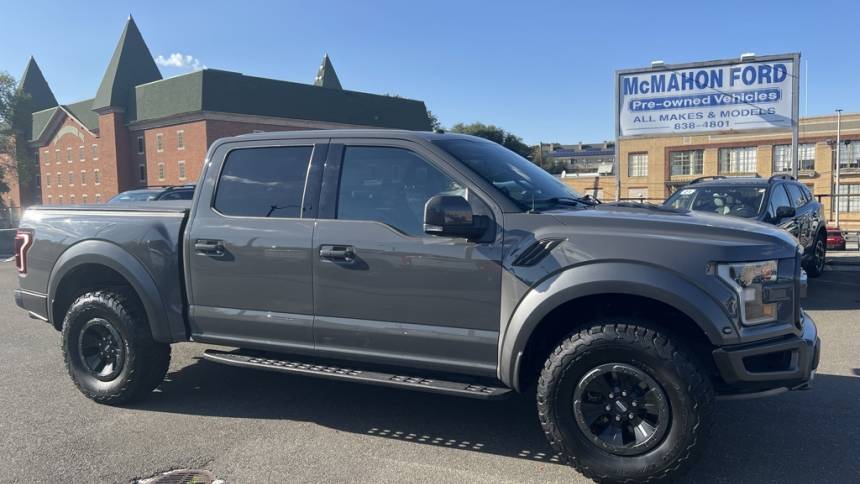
(835, 198)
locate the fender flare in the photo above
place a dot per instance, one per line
(617, 277)
(110, 255)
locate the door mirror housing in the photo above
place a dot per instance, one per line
(452, 216)
(784, 212)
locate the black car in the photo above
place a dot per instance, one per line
(182, 192)
(779, 200)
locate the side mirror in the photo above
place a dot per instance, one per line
(452, 216)
(784, 212)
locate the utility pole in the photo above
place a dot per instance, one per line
(835, 197)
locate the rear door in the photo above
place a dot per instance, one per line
(803, 213)
(386, 292)
(248, 248)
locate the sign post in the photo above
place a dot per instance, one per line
(723, 96)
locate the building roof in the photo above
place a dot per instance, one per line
(326, 76)
(80, 111)
(231, 92)
(34, 84)
(131, 65)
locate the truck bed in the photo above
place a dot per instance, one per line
(140, 241)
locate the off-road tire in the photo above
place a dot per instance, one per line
(144, 363)
(814, 268)
(643, 346)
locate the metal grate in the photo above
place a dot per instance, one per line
(182, 476)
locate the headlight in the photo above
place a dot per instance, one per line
(748, 280)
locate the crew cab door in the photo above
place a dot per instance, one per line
(248, 246)
(386, 292)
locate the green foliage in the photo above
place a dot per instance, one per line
(14, 121)
(435, 125)
(497, 134)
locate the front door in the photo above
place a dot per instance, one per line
(386, 292)
(249, 246)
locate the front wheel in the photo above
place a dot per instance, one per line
(624, 403)
(815, 267)
(109, 350)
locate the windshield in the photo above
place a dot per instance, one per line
(134, 196)
(745, 202)
(526, 184)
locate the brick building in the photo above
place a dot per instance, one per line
(143, 130)
(652, 167)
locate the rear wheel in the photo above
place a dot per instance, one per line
(108, 348)
(624, 403)
(815, 267)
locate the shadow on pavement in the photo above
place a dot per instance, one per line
(833, 291)
(796, 437)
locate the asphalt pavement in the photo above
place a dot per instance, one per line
(249, 426)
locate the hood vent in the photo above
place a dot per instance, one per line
(536, 252)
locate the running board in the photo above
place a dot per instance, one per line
(358, 376)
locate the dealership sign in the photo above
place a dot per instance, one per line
(708, 96)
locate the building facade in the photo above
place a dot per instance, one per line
(142, 130)
(651, 168)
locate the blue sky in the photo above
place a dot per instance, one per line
(542, 70)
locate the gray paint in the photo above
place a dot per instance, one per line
(416, 302)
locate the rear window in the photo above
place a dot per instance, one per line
(737, 201)
(263, 182)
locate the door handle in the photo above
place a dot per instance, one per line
(345, 253)
(213, 248)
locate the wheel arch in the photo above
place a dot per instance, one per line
(99, 263)
(618, 288)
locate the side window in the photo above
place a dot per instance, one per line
(389, 185)
(778, 198)
(263, 182)
(798, 199)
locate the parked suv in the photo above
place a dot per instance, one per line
(432, 262)
(779, 200)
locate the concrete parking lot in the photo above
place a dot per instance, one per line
(249, 426)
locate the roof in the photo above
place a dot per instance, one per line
(131, 65)
(33, 83)
(734, 180)
(80, 111)
(231, 92)
(326, 76)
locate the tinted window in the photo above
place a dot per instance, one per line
(263, 182)
(778, 198)
(389, 185)
(738, 201)
(177, 195)
(523, 182)
(795, 194)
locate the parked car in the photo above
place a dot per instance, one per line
(182, 192)
(434, 262)
(779, 200)
(835, 239)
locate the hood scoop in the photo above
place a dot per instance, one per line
(536, 252)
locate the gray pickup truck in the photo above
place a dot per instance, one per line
(433, 262)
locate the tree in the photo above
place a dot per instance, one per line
(435, 125)
(16, 159)
(497, 134)
(8, 103)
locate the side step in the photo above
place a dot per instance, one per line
(359, 376)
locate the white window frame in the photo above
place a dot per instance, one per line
(68, 154)
(83, 177)
(97, 177)
(71, 178)
(82, 154)
(47, 157)
(782, 157)
(637, 164)
(693, 159)
(141, 172)
(59, 179)
(737, 160)
(84, 198)
(180, 169)
(160, 171)
(141, 146)
(98, 198)
(95, 148)
(159, 142)
(180, 136)
(57, 156)
(48, 180)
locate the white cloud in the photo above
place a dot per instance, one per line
(181, 61)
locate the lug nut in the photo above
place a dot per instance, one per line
(611, 395)
(634, 403)
(608, 408)
(618, 418)
(623, 394)
(630, 415)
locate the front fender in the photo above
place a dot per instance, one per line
(110, 255)
(617, 277)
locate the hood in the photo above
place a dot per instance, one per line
(645, 221)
